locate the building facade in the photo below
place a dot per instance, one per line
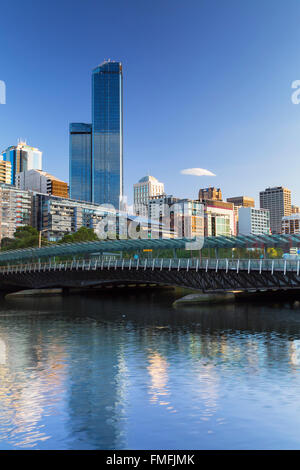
(254, 221)
(211, 194)
(238, 202)
(40, 181)
(5, 172)
(241, 201)
(57, 216)
(219, 218)
(96, 150)
(80, 161)
(22, 157)
(278, 201)
(143, 191)
(295, 209)
(183, 217)
(15, 210)
(291, 223)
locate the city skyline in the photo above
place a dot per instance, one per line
(149, 228)
(171, 127)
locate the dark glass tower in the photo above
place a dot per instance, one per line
(97, 173)
(81, 161)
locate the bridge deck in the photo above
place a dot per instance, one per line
(159, 263)
(200, 274)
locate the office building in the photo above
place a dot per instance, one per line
(143, 191)
(15, 210)
(22, 157)
(278, 201)
(241, 201)
(184, 217)
(219, 218)
(238, 202)
(57, 216)
(80, 162)
(96, 149)
(211, 194)
(40, 181)
(148, 228)
(254, 221)
(5, 172)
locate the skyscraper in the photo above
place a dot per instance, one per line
(96, 150)
(142, 191)
(22, 157)
(278, 201)
(107, 122)
(81, 161)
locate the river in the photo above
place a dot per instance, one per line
(111, 371)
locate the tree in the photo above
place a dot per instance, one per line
(24, 237)
(84, 234)
(275, 253)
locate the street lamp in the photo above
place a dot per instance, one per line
(40, 236)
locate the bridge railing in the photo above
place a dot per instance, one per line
(159, 264)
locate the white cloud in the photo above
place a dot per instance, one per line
(197, 172)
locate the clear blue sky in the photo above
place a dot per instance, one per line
(206, 84)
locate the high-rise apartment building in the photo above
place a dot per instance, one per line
(15, 210)
(211, 193)
(40, 181)
(22, 157)
(278, 201)
(291, 223)
(5, 172)
(96, 150)
(147, 187)
(295, 209)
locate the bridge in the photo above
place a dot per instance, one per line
(284, 241)
(86, 265)
(218, 275)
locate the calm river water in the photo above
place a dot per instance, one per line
(131, 372)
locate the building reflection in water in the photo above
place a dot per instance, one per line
(69, 379)
(294, 353)
(159, 388)
(98, 382)
(30, 388)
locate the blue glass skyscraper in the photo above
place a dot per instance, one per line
(96, 172)
(81, 161)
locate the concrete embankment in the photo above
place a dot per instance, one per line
(33, 293)
(238, 296)
(205, 298)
